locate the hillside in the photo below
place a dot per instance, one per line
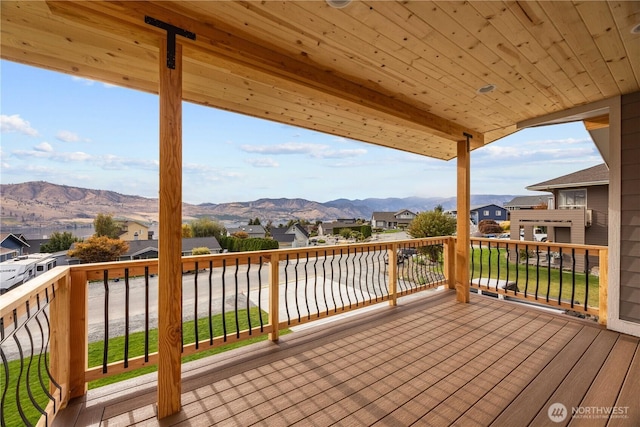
(45, 204)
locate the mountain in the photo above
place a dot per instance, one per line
(42, 203)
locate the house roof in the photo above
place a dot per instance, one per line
(413, 76)
(280, 235)
(478, 207)
(18, 239)
(596, 175)
(527, 201)
(137, 247)
(249, 229)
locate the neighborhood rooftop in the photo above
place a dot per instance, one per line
(595, 175)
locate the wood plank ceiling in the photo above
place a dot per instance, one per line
(404, 75)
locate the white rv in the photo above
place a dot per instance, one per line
(18, 270)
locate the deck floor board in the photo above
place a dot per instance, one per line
(429, 361)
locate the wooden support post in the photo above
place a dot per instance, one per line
(170, 235)
(450, 262)
(392, 255)
(603, 286)
(274, 297)
(463, 229)
(79, 330)
(60, 334)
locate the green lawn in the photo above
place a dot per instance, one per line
(116, 351)
(545, 279)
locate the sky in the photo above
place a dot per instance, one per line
(77, 132)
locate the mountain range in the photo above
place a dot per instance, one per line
(43, 203)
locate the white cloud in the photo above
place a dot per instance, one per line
(44, 147)
(89, 82)
(15, 123)
(317, 151)
(263, 163)
(68, 136)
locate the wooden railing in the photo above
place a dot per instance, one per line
(565, 276)
(102, 318)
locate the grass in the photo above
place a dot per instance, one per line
(548, 278)
(116, 351)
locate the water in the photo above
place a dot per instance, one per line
(81, 231)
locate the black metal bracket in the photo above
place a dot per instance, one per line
(468, 136)
(172, 32)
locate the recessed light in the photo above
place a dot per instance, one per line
(487, 88)
(338, 4)
(635, 29)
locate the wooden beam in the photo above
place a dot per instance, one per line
(261, 62)
(170, 235)
(599, 122)
(463, 217)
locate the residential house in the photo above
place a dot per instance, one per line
(12, 246)
(528, 202)
(133, 230)
(482, 212)
(295, 236)
(146, 249)
(252, 230)
(577, 212)
(392, 220)
(329, 228)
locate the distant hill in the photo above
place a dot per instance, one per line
(42, 203)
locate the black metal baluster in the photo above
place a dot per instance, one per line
(105, 353)
(324, 282)
(46, 352)
(210, 320)
(353, 279)
(195, 306)
(537, 270)
(44, 387)
(17, 341)
(249, 296)
(306, 286)
(548, 271)
(296, 277)
(517, 266)
(333, 296)
(346, 282)
(224, 299)
(260, 294)
(32, 398)
(315, 284)
(573, 275)
(286, 289)
(360, 273)
(368, 258)
(5, 365)
(236, 299)
(473, 262)
(126, 317)
(146, 314)
(586, 279)
(507, 253)
(481, 262)
(561, 276)
(526, 271)
(489, 267)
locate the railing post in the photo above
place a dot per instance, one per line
(450, 262)
(392, 255)
(60, 333)
(78, 333)
(274, 296)
(603, 286)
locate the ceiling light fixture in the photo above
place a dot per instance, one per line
(486, 89)
(635, 29)
(338, 4)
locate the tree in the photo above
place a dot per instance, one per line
(256, 221)
(432, 224)
(59, 242)
(99, 249)
(206, 227)
(187, 233)
(106, 226)
(241, 234)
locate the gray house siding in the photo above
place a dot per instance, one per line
(630, 209)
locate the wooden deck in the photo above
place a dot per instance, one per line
(429, 361)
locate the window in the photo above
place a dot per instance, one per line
(498, 213)
(486, 213)
(572, 199)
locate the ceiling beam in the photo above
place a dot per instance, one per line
(258, 61)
